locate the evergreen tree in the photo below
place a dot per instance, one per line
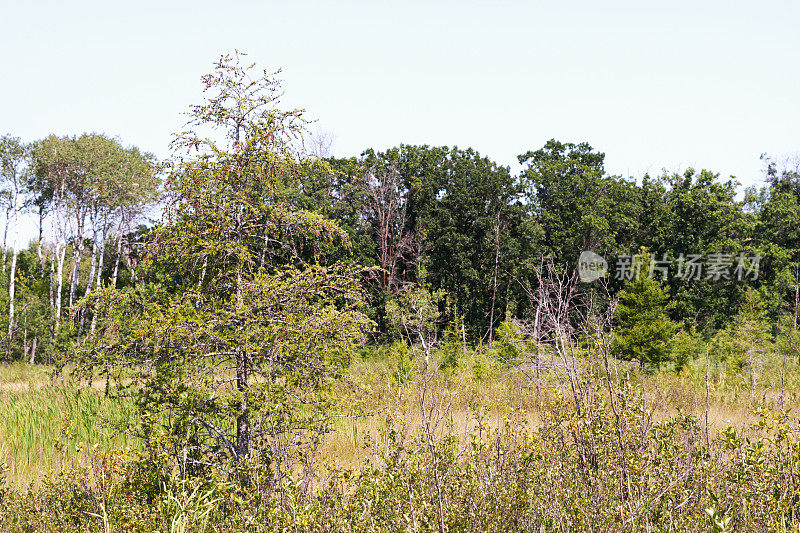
(644, 328)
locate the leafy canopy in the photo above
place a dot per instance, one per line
(231, 348)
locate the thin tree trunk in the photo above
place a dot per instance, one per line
(242, 385)
(129, 263)
(92, 267)
(11, 287)
(57, 262)
(494, 288)
(76, 263)
(89, 281)
(39, 253)
(100, 262)
(62, 252)
(116, 261)
(98, 285)
(243, 414)
(12, 280)
(77, 247)
(5, 234)
(25, 336)
(203, 273)
(33, 351)
(52, 279)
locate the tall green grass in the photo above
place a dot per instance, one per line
(46, 428)
(20, 372)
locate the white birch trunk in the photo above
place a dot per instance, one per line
(39, 244)
(33, 351)
(11, 287)
(5, 234)
(61, 251)
(52, 279)
(99, 282)
(89, 280)
(13, 274)
(76, 262)
(116, 260)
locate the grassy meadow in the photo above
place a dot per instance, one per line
(479, 445)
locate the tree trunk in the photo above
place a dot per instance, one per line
(33, 351)
(99, 282)
(242, 406)
(76, 263)
(39, 244)
(12, 280)
(77, 247)
(92, 267)
(57, 262)
(89, 281)
(243, 415)
(52, 279)
(62, 252)
(25, 339)
(116, 261)
(129, 263)
(243, 412)
(5, 234)
(11, 287)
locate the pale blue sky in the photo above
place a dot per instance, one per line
(653, 85)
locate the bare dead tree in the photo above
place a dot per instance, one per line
(494, 276)
(320, 143)
(554, 294)
(386, 210)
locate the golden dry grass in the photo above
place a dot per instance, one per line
(45, 423)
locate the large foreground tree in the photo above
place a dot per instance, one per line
(232, 335)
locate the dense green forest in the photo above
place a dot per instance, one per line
(450, 219)
(222, 311)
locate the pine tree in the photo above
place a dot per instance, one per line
(644, 329)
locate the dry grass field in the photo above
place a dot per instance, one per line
(429, 442)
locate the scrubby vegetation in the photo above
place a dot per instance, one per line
(473, 448)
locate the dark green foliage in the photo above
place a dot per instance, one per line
(578, 206)
(644, 329)
(473, 233)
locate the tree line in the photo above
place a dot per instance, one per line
(446, 218)
(472, 229)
